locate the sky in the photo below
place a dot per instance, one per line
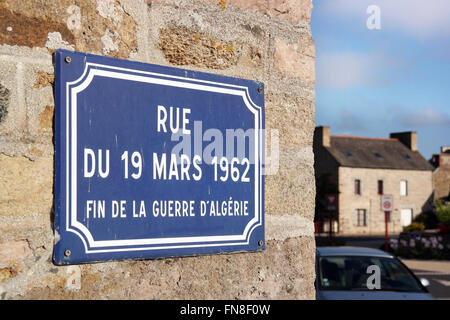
(384, 69)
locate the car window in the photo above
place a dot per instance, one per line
(351, 273)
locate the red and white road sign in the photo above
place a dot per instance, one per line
(331, 201)
(387, 203)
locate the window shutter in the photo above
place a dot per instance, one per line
(403, 188)
(355, 218)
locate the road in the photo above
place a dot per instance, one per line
(437, 272)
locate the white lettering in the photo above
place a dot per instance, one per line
(162, 120)
(89, 153)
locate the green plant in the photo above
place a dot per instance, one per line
(428, 218)
(443, 213)
(415, 226)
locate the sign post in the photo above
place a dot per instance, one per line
(387, 205)
(154, 161)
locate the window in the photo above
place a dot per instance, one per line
(347, 153)
(403, 188)
(378, 155)
(360, 217)
(350, 273)
(358, 187)
(380, 187)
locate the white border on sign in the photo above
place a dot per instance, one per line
(73, 225)
(387, 198)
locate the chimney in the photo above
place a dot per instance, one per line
(322, 136)
(408, 138)
(445, 149)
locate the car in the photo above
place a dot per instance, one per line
(353, 273)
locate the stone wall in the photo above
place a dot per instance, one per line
(419, 198)
(441, 182)
(441, 177)
(265, 40)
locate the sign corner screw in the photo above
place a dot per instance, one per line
(68, 59)
(67, 253)
(260, 90)
(260, 243)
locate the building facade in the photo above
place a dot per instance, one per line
(360, 170)
(441, 174)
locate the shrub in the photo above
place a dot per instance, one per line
(443, 213)
(428, 218)
(415, 226)
(444, 229)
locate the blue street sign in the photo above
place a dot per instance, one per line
(154, 161)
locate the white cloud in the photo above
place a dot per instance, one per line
(353, 69)
(417, 18)
(426, 116)
(340, 70)
(349, 121)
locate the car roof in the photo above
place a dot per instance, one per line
(351, 251)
